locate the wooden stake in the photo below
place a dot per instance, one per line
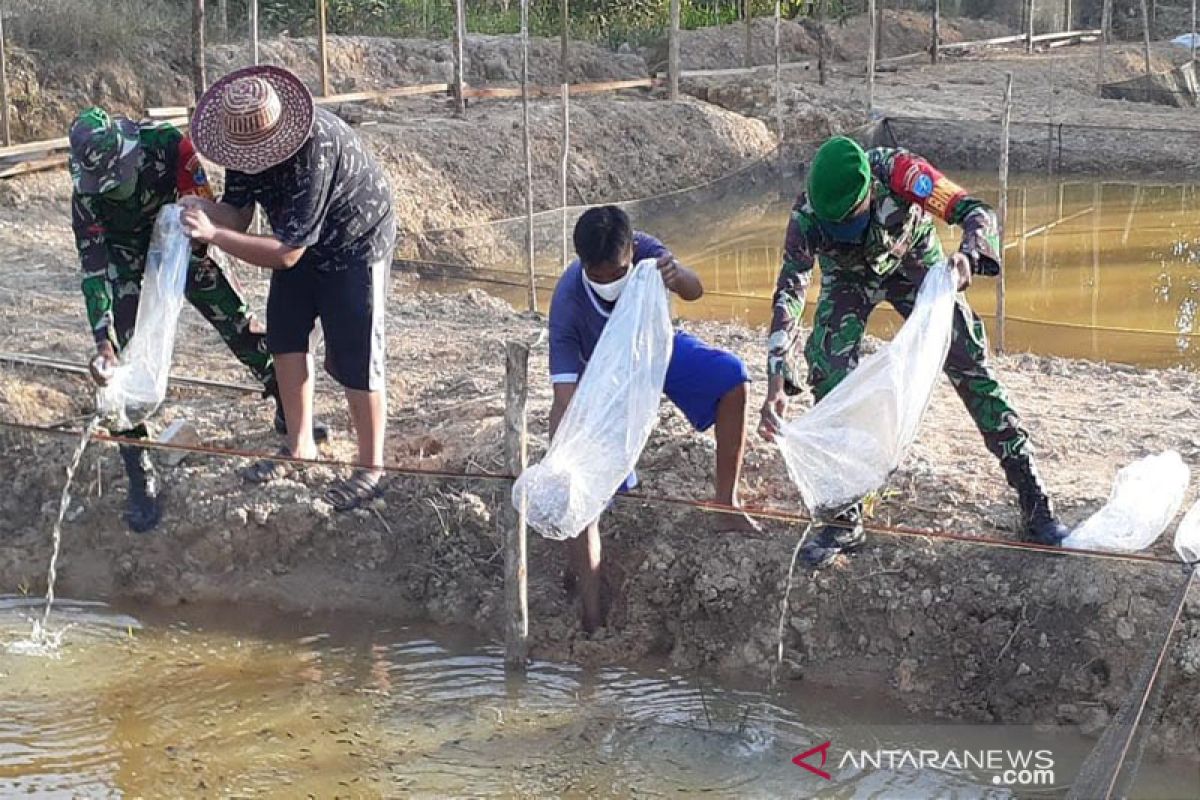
(528, 155)
(1066, 15)
(822, 42)
(871, 56)
(253, 9)
(1029, 34)
(673, 53)
(936, 42)
(1146, 35)
(1105, 24)
(1193, 30)
(778, 77)
(1003, 210)
(565, 78)
(5, 125)
(223, 20)
(516, 570)
(748, 17)
(322, 48)
(460, 33)
(199, 77)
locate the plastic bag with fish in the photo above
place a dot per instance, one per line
(611, 414)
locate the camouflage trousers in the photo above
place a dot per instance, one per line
(847, 299)
(210, 292)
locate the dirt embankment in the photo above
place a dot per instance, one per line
(957, 630)
(46, 94)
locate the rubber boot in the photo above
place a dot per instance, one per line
(320, 431)
(843, 533)
(1037, 510)
(143, 506)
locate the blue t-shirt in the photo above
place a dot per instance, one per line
(578, 315)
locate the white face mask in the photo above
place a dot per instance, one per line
(608, 291)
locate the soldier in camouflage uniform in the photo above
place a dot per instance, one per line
(123, 173)
(867, 218)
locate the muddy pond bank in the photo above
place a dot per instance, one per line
(956, 631)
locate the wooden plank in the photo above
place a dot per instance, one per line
(5, 127)
(384, 94)
(34, 148)
(162, 112)
(502, 92)
(673, 73)
(38, 165)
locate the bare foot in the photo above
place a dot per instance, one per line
(736, 522)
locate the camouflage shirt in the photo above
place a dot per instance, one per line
(112, 234)
(906, 192)
(331, 198)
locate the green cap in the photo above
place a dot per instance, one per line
(838, 179)
(104, 151)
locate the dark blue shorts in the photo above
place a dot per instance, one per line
(350, 304)
(698, 376)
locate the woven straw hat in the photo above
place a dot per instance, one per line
(253, 118)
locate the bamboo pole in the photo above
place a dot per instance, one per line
(322, 48)
(5, 124)
(460, 32)
(1003, 210)
(936, 40)
(1105, 24)
(199, 78)
(673, 53)
(822, 41)
(1029, 31)
(1146, 35)
(747, 17)
(253, 23)
(528, 155)
(564, 62)
(778, 77)
(516, 569)
(871, 56)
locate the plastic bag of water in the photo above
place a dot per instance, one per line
(1187, 536)
(139, 384)
(848, 444)
(1146, 496)
(610, 416)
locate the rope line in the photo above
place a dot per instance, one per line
(778, 515)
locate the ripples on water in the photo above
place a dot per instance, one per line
(272, 705)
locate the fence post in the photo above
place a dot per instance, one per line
(565, 83)
(1146, 35)
(223, 20)
(1003, 209)
(528, 155)
(1066, 15)
(673, 53)
(778, 77)
(253, 11)
(5, 129)
(516, 571)
(199, 78)
(1105, 23)
(460, 32)
(871, 55)
(748, 18)
(936, 42)
(1029, 31)
(1193, 30)
(322, 48)
(821, 39)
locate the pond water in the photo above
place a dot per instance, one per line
(1094, 269)
(247, 702)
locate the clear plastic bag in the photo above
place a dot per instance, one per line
(610, 416)
(1187, 536)
(1146, 496)
(848, 444)
(139, 384)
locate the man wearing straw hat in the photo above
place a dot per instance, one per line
(868, 217)
(123, 172)
(329, 250)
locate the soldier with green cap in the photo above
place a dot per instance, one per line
(123, 173)
(867, 218)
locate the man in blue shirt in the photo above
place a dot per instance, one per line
(708, 385)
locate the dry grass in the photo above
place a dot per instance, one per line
(82, 29)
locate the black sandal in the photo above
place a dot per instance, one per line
(269, 470)
(360, 488)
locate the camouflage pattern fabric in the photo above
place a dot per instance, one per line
(899, 247)
(113, 236)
